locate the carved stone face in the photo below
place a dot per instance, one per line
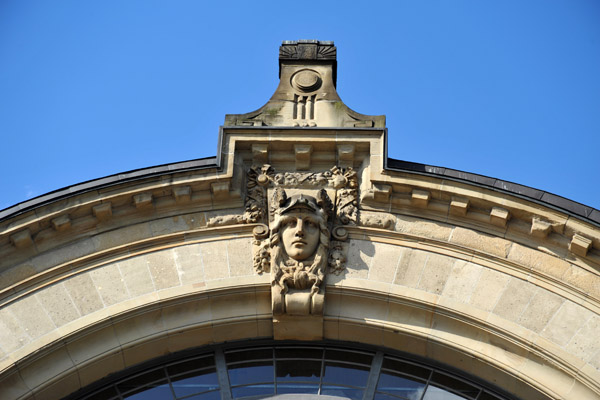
(300, 234)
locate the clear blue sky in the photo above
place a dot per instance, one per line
(509, 89)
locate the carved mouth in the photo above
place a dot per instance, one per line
(299, 242)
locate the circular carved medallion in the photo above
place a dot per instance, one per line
(306, 80)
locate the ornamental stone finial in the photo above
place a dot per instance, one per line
(306, 96)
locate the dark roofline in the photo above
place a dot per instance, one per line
(107, 181)
(586, 213)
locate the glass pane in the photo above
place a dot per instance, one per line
(162, 392)
(354, 394)
(283, 388)
(191, 365)
(407, 368)
(344, 374)
(255, 390)
(150, 378)
(248, 355)
(241, 374)
(184, 386)
(298, 353)
(298, 371)
(216, 395)
(350, 356)
(455, 385)
(385, 396)
(399, 385)
(488, 396)
(435, 393)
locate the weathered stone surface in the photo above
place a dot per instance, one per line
(109, 284)
(514, 299)
(136, 275)
(58, 304)
(538, 261)
(12, 336)
(585, 343)
(419, 227)
(436, 272)
(488, 289)
(215, 260)
(32, 317)
(462, 280)
(385, 262)
(410, 268)
(84, 293)
(162, 269)
(540, 310)
(480, 241)
(189, 263)
(566, 322)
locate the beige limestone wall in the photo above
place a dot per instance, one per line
(467, 299)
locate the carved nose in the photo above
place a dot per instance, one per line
(299, 228)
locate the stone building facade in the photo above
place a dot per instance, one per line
(300, 236)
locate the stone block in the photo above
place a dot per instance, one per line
(420, 198)
(190, 338)
(12, 386)
(214, 259)
(58, 304)
(488, 289)
(385, 262)
(142, 201)
(580, 245)
(138, 327)
(109, 284)
(102, 211)
(163, 269)
(540, 310)
(480, 241)
(12, 335)
(122, 236)
(499, 216)
(60, 387)
(145, 351)
(62, 223)
(303, 153)
(585, 343)
(42, 369)
(136, 275)
(84, 294)
(462, 280)
(538, 261)
(382, 193)
(423, 228)
(220, 190)
(345, 155)
(182, 194)
(410, 268)
(31, 316)
(514, 299)
(459, 206)
(95, 370)
(435, 273)
(569, 318)
(360, 256)
(540, 228)
(189, 263)
(93, 344)
(239, 255)
(260, 154)
(228, 307)
(21, 239)
(193, 312)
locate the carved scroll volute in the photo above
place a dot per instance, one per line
(256, 212)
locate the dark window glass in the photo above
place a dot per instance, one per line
(252, 372)
(488, 396)
(385, 396)
(185, 385)
(298, 353)
(455, 385)
(162, 392)
(191, 365)
(254, 390)
(407, 368)
(340, 355)
(216, 395)
(354, 394)
(344, 374)
(148, 379)
(245, 355)
(298, 371)
(283, 388)
(105, 394)
(400, 385)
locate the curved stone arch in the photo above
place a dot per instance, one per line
(411, 322)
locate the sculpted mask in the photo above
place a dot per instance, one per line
(300, 245)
